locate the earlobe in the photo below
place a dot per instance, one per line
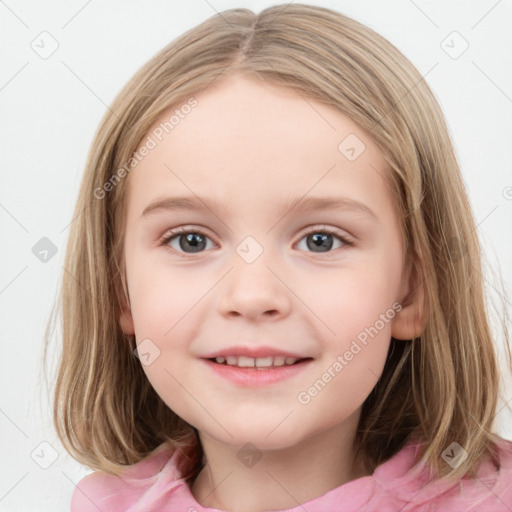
(126, 322)
(410, 321)
(408, 324)
(126, 318)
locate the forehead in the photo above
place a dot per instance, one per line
(251, 143)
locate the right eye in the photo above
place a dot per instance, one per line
(185, 240)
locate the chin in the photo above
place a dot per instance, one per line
(270, 435)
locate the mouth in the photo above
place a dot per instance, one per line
(258, 363)
(249, 372)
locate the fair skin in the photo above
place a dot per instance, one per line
(252, 147)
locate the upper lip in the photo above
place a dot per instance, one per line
(254, 352)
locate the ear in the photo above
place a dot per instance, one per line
(410, 321)
(126, 318)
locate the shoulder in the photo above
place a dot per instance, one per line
(116, 493)
(406, 480)
(491, 488)
(498, 479)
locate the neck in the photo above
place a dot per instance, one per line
(233, 479)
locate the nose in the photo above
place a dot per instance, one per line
(255, 291)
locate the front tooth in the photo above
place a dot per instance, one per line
(232, 360)
(220, 359)
(279, 360)
(264, 361)
(290, 360)
(245, 361)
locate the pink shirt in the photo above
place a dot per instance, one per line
(154, 485)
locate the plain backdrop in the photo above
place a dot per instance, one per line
(51, 106)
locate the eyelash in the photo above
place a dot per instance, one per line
(164, 241)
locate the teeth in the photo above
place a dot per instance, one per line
(246, 362)
(259, 362)
(279, 360)
(264, 361)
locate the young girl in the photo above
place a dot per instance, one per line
(273, 296)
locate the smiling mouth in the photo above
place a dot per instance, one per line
(258, 363)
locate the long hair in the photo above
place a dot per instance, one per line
(438, 388)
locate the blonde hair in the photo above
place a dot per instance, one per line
(439, 388)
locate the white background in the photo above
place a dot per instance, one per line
(50, 109)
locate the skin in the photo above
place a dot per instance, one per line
(252, 146)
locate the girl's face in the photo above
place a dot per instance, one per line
(323, 283)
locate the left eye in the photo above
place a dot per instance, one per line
(195, 241)
(322, 239)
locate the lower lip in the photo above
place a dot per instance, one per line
(253, 376)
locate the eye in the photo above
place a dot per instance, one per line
(189, 241)
(320, 239)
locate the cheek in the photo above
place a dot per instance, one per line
(357, 307)
(353, 299)
(162, 298)
(355, 345)
(162, 311)
(166, 306)
(159, 331)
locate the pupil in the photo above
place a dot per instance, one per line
(195, 240)
(321, 241)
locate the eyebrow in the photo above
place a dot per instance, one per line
(299, 203)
